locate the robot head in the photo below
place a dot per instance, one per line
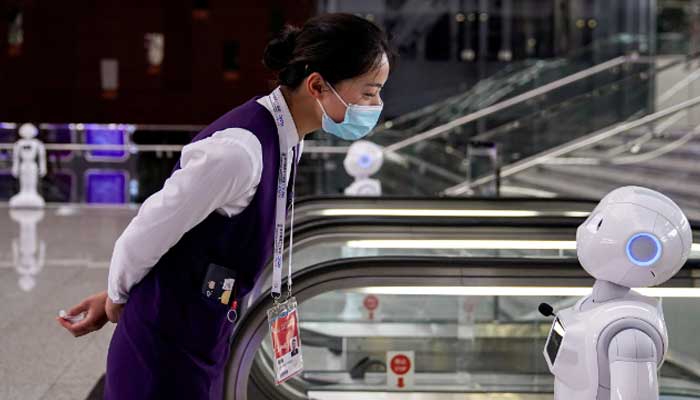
(635, 237)
(28, 131)
(363, 159)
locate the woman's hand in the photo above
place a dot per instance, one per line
(114, 310)
(95, 319)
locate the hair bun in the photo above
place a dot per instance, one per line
(280, 50)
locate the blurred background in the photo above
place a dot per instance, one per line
(154, 73)
(505, 121)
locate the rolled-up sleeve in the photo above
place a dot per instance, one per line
(214, 171)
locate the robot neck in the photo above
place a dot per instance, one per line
(604, 291)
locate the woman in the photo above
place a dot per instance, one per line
(215, 215)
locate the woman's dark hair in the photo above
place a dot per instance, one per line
(337, 46)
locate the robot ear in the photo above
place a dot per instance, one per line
(644, 249)
(594, 222)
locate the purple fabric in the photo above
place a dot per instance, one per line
(170, 342)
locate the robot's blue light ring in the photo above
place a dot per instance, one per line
(654, 259)
(365, 161)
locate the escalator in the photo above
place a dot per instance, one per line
(462, 295)
(660, 151)
(311, 210)
(416, 168)
(499, 352)
(514, 79)
(331, 228)
(527, 128)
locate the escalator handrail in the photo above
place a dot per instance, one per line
(509, 70)
(319, 226)
(437, 222)
(612, 63)
(486, 136)
(302, 201)
(655, 71)
(312, 226)
(387, 271)
(569, 147)
(304, 224)
(438, 130)
(313, 202)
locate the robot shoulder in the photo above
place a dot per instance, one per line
(632, 345)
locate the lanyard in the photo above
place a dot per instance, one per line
(281, 200)
(283, 317)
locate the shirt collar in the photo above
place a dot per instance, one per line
(288, 131)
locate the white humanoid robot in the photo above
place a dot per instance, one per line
(614, 340)
(362, 161)
(25, 167)
(28, 252)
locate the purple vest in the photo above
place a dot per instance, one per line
(170, 341)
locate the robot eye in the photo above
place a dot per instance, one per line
(365, 161)
(599, 224)
(644, 249)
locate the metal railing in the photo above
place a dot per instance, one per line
(310, 147)
(438, 130)
(570, 147)
(142, 148)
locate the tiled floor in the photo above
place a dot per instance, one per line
(38, 358)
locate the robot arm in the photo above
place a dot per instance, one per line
(15, 160)
(633, 375)
(42, 158)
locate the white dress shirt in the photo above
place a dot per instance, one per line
(204, 184)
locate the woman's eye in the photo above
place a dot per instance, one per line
(369, 95)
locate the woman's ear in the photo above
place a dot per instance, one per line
(315, 85)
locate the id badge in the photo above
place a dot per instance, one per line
(286, 343)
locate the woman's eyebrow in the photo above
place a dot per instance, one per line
(377, 85)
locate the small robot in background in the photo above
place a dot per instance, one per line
(363, 160)
(26, 152)
(615, 339)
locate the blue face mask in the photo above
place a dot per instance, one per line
(358, 121)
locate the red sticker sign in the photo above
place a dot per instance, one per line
(401, 369)
(400, 364)
(371, 302)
